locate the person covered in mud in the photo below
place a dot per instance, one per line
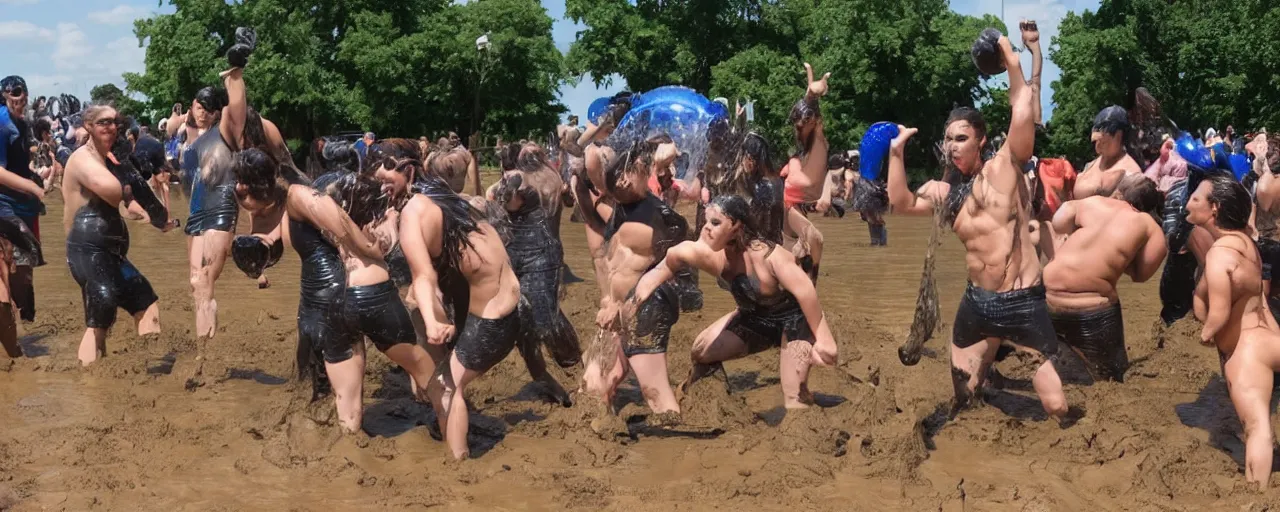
(638, 235)
(1230, 300)
(988, 205)
(664, 183)
(589, 187)
(777, 305)
(1102, 238)
(1112, 139)
(457, 256)
(754, 176)
(1266, 216)
(21, 196)
(529, 191)
(316, 227)
(805, 175)
(98, 238)
(457, 165)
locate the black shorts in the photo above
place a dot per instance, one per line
(1099, 337)
(96, 252)
(213, 208)
(654, 320)
(322, 323)
(764, 329)
(484, 342)
(1020, 317)
(376, 311)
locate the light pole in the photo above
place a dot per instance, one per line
(482, 63)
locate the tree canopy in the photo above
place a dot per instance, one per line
(111, 94)
(400, 68)
(1211, 63)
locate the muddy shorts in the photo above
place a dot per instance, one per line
(24, 233)
(484, 342)
(1020, 317)
(1099, 337)
(765, 329)
(376, 311)
(97, 246)
(213, 208)
(654, 320)
(322, 323)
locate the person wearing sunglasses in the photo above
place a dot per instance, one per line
(21, 193)
(98, 239)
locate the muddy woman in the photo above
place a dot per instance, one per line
(989, 206)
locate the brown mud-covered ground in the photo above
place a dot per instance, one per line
(136, 432)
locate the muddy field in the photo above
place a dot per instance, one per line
(136, 433)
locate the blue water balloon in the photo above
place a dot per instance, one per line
(1239, 165)
(678, 112)
(597, 109)
(874, 148)
(1191, 149)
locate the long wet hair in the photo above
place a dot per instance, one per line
(803, 110)
(1232, 199)
(951, 174)
(360, 196)
(1142, 194)
(636, 159)
(459, 222)
(739, 210)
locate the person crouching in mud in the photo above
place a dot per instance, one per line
(530, 191)
(777, 303)
(638, 235)
(1230, 300)
(1102, 238)
(457, 256)
(989, 208)
(98, 239)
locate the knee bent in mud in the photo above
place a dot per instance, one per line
(1019, 316)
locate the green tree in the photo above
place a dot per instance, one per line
(111, 94)
(401, 68)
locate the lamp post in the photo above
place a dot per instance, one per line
(482, 64)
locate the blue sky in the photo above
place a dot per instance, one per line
(69, 46)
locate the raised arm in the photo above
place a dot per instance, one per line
(176, 120)
(1031, 40)
(237, 109)
(473, 174)
(1152, 254)
(1219, 263)
(901, 199)
(1024, 98)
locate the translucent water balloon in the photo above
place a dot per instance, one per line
(678, 112)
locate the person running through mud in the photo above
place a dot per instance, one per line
(589, 187)
(98, 239)
(777, 305)
(1102, 238)
(1111, 137)
(638, 235)
(988, 205)
(1230, 300)
(456, 255)
(529, 191)
(805, 175)
(317, 228)
(21, 196)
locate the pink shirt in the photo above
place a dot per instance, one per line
(1167, 173)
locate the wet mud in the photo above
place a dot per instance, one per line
(172, 423)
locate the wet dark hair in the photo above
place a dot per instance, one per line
(1231, 198)
(40, 128)
(803, 110)
(837, 161)
(971, 116)
(387, 153)
(619, 105)
(255, 134)
(259, 172)
(360, 196)
(635, 160)
(733, 206)
(1273, 153)
(510, 156)
(211, 99)
(1115, 119)
(1141, 193)
(133, 130)
(459, 222)
(336, 155)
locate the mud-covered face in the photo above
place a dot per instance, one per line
(1200, 211)
(963, 147)
(720, 230)
(394, 183)
(203, 117)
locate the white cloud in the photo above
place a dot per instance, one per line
(22, 30)
(120, 15)
(72, 47)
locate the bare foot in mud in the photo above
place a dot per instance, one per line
(664, 419)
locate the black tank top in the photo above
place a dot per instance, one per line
(669, 228)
